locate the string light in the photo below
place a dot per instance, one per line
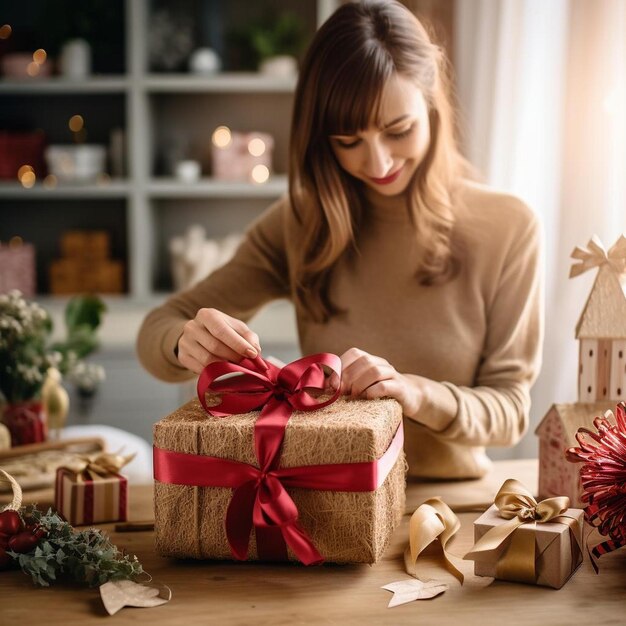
(260, 174)
(222, 137)
(5, 31)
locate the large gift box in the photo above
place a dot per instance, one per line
(90, 490)
(525, 541)
(333, 491)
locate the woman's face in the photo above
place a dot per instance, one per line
(386, 158)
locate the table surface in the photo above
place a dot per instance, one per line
(251, 593)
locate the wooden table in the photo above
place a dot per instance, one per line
(248, 593)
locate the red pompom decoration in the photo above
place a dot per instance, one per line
(603, 477)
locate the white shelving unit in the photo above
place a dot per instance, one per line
(154, 204)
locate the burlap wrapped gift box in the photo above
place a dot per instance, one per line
(557, 554)
(345, 526)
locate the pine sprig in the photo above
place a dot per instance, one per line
(86, 556)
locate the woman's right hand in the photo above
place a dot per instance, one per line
(215, 336)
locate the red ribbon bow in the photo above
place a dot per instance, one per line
(261, 498)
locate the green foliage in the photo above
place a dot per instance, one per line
(83, 315)
(25, 353)
(282, 35)
(273, 34)
(85, 556)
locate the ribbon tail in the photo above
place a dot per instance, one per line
(518, 563)
(239, 519)
(493, 538)
(297, 539)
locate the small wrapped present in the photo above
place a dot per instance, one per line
(521, 540)
(90, 490)
(315, 484)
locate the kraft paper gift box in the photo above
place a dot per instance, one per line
(557, 553)
(84, 497)
(344, 526)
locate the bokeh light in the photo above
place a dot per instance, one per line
(260, 173)
(28, 179)
(40, 56)
(222, 136)
(5, 31)
(25, 168)
(76, 123)
(256, 147)
(33, 69)
(50, 181)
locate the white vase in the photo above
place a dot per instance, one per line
(281, 66)
(205, 61)
(75, 59)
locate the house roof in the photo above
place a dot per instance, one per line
(576, 415)
(604, 314)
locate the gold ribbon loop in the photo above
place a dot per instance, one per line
(432, 520)
(595, 255)
(99, 465)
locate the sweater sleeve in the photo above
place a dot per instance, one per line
(257, 274)
(495, 411)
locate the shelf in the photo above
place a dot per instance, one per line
(112, 189)
(210, 188)
(275, 323)
(227, 82)
(58, 85)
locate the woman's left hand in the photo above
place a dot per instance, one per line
(367, 376)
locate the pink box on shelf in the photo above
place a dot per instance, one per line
(17, 268)
(235, 155)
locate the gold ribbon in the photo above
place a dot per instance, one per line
(16, 502)
(432, 520)
(595, 255)
(516, 504)
(99, 465)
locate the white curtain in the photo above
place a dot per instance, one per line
(541, 89)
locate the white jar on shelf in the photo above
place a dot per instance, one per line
(75, 59)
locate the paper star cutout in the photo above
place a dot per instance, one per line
(412, 589)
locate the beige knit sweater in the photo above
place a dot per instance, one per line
(476, 339)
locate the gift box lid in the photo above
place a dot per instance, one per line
(347, 431)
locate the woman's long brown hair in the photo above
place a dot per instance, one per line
(349, 61)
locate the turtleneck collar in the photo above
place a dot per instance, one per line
(388, 208)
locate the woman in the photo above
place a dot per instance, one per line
(427, 285)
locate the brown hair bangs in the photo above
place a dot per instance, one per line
(353, 99)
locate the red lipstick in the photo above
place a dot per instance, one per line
(388, 179)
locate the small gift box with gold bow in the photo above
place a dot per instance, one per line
(522, 540)
(303, 479)
(90, 489)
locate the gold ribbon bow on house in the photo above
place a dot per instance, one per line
(595, 255)
(98, 465)
(516, 504)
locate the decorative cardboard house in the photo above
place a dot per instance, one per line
(601, 331)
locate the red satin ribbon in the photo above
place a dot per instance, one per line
(260, 498)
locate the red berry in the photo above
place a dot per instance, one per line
(10, 522)
(4, 540)
(23, 542)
